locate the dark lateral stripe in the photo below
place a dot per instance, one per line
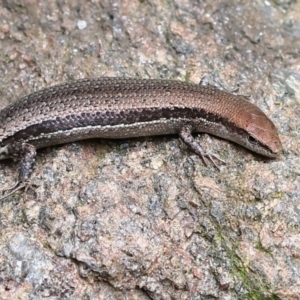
(112, 118)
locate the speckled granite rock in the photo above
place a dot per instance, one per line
(143, 218)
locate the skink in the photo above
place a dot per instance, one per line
(126, 107)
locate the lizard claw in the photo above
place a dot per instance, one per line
(16, 187)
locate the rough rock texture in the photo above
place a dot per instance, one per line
(143, 218)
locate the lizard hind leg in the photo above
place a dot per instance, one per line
(27, 156)
(26, 153)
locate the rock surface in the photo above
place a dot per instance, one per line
(143, 218)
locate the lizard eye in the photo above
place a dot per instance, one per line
(252, 140)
